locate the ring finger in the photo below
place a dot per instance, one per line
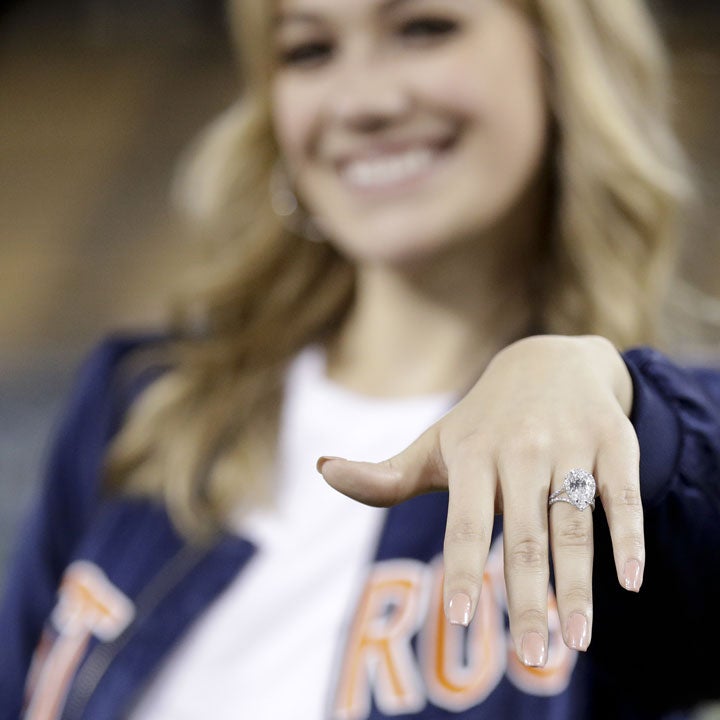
(571, 543)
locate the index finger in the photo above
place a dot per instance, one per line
(471, 502)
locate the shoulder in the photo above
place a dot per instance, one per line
(107, 380)
(114, 364)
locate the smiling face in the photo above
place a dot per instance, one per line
(408, 125)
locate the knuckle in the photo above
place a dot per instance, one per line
(469, 447)
(465, 450)
(575, 532)
(573, 437)
(624, 429)
(532, 618)
(531, 443)
(394, 489)
(626, 498)
(609, 424)
(619, 432)
(463, 578)
(466, 531)
(526, 554)
(577, 595)
(633, 543)
(396, 470)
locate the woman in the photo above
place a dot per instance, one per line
(472, 206)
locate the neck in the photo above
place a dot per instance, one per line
(433, 327)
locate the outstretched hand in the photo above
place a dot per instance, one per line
(544, 405)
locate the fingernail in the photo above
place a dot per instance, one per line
(459, 610)
(577, 631)
(322, 460)
(631, 573)
(533, 649)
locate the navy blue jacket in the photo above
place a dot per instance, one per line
(652, 653)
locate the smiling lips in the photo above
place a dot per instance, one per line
(390, 168)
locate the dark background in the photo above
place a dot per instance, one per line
(97, 100)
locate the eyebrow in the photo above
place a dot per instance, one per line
(308, 16)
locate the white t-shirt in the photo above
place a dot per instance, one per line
(266, 648)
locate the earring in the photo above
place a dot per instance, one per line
(285, 205)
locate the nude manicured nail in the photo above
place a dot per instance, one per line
(577, 631)
(322, 460)
(631, 575)
(534, 653)
(459, 609)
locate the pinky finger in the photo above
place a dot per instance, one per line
(618, 464)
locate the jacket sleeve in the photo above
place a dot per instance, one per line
(659, 647)
(55, 524)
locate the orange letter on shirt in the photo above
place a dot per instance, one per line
(379, 659)
(452, 682)
(554, 677)
(88, 605)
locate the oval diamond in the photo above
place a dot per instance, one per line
(580, 488)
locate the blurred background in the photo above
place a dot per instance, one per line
(98, 98)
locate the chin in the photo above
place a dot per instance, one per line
(398, 243)
(373, 247)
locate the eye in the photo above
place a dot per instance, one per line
(306, 54)
(428, 28)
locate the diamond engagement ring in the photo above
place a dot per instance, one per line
(578, 489)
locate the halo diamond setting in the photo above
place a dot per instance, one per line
(578, 489)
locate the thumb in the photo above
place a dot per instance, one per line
(417, 469)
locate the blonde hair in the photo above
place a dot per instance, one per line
(203, 435)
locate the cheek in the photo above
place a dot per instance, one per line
(502, 99)
(517, 89)
(450, 85)
(493, 91)
(292, 119)
(523, 121)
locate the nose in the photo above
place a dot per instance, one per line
(368, 94)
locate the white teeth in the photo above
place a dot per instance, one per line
(389, 169)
